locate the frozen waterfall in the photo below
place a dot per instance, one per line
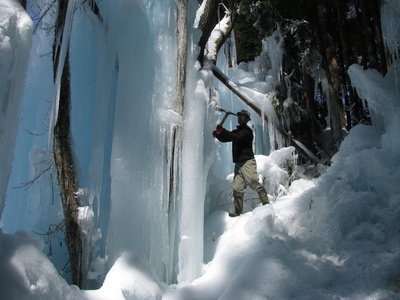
(123, 66)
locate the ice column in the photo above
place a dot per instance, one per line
(193, 181)
(15, 43)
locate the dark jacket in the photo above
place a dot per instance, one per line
(242, 142)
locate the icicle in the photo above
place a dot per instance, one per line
(275, 51)
(232, 52)
(390, 18)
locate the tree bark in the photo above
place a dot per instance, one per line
(179, 103)
(181, 35)
(63, 159)
(67, 178)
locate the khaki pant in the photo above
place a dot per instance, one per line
(246, 174)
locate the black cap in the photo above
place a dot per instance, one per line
(244, 113)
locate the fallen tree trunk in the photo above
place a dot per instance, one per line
(234, 88)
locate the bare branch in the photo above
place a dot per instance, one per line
(28, 184)
(44, 13)
(37, 134)
(51, 233)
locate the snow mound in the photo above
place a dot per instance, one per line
(129, 278)
(26, 272)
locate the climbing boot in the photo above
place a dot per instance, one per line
(263, 197)
(238, 202)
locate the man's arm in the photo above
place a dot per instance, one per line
(219, 136)
(236, 136)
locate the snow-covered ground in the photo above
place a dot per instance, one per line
(335, 237)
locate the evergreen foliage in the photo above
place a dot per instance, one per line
(333, 34)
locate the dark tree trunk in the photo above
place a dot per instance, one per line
(330, 65)
(369, 37)
(363, 46)
(347, 92)
(376, 17)
(67, 178)
(63, 153)
(23, 3)
(309, 93)
(311, 107)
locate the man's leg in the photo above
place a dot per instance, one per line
(263, 197)
(249, 172)
(238, 202)
(239, 188)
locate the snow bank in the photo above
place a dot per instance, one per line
(273, 170)
(26, 273)
(130, 278)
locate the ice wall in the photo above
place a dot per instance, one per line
(117, 94)
(123, 63)
(33, 202)
(128, 142)
(15, 43)
(123, 85)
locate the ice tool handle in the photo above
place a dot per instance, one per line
(227, 113)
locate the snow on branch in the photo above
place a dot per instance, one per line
(218, 36)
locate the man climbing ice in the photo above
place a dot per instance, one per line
(245, 163)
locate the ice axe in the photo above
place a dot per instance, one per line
(227, 113)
